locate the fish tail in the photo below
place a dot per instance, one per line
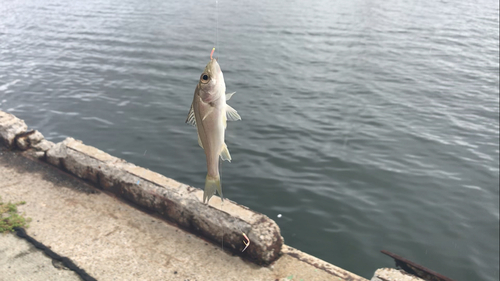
(212, 184)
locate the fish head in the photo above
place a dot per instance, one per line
(211, 85)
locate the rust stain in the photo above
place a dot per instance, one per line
(416, 269)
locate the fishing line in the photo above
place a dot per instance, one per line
(220, 160)
(221, 202)
(216, 24)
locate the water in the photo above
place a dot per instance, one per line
(368, 125)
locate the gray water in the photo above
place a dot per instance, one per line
(367, 125)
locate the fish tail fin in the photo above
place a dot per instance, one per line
(212, 185)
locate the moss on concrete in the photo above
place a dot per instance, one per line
(10, 218)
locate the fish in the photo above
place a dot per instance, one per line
(209, 112)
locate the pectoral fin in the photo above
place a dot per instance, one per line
(228, 96)
(191, 120)
(232, 114)
(224, 154)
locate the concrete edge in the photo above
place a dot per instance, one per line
(321, 264)
(391, 274)
(173, 201)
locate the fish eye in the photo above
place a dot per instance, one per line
(204, 78)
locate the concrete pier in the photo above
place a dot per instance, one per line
(118, 221)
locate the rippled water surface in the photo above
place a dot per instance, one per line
(368, 125)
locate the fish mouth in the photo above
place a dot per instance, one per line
(213, 68)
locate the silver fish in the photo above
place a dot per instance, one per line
(210, 113)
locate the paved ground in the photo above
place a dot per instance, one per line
(110, 239)
(21, 261)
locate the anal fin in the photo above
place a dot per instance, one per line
(224, 153)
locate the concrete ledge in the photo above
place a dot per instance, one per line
(391, 274)
(182, 204)
(342, 274)
(174, 201)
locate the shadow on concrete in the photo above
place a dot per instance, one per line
(22, 164)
